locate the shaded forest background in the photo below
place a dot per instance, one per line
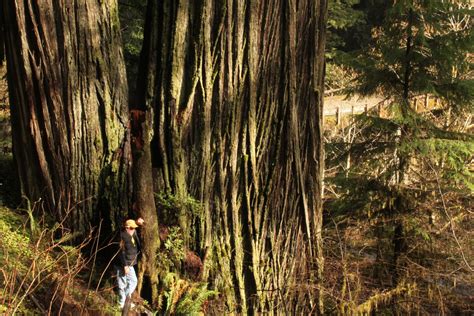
(397, 219)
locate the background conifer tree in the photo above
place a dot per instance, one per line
(410, 155)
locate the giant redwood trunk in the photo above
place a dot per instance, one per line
(69, 107)
(237, 92)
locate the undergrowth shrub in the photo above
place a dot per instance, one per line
(180, 268)
(41, 273)
(385, 256)
(184, 297)
(171, 206)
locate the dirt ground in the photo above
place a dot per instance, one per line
(348, 105)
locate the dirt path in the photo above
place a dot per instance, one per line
(346, 106)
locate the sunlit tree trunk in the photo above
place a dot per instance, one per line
(238, 108)
(69, 108)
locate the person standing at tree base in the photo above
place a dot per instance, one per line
(127, 258)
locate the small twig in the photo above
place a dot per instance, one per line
(455, 219)
(451, 224)
(105, 270)
(31, 296)
(94, 256)
(344, 264)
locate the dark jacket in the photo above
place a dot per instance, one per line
(129, 251)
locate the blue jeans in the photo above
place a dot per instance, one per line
(127, 283)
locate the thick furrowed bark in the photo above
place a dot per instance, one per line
(144, 201)
(69, 107)
(239, 100)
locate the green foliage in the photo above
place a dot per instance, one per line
(341, 16)
(436, 156)
(401, 179)
(367, 194)
(132, 20)
(34, 229)
(414, 228)
(183, 297)
(41, 265)
(449, 158)
(13, 240)
(175, 243)
(174, 251)
(10, 219)
(172, 206)
(349, 29)
(421, 45)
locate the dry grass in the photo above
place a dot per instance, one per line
(42, 274)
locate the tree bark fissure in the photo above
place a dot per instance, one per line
(69, 108)
(238, 104)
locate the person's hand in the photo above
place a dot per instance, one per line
(126, 269)
(140, 221)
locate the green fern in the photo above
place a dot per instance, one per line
(194, 300)
(184, 297)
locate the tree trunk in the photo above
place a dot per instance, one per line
(2, 38)
(142, 131)
(400, 203)
(69, 110)
(144, 201)
(238, 102)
